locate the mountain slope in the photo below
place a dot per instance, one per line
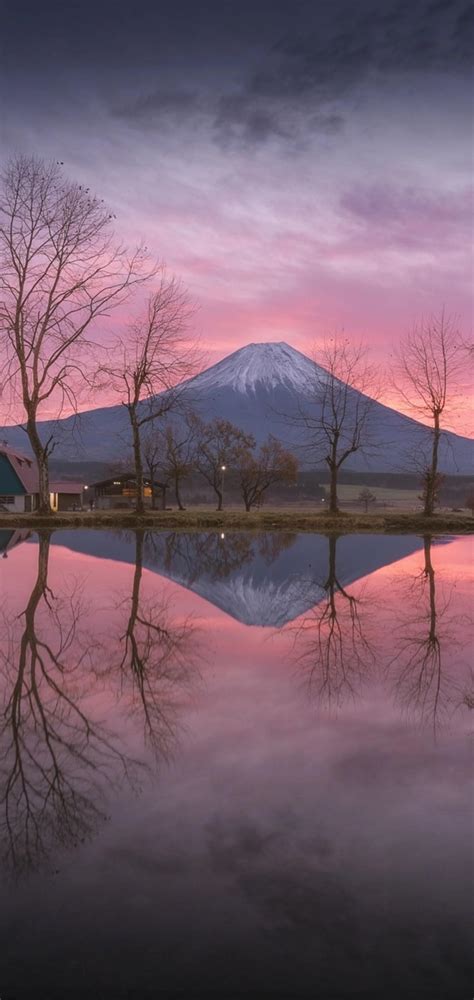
(258, 387)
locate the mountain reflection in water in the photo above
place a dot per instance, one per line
(259, 579)
(277, 809)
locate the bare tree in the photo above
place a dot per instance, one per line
(366, 497)
(55, 759)
(178, 444)
(218, 445)
(333, 642)
(151, 362)
(429, 632)
(340, 399)
(60, 270)
(427, 378)
(152, 451)
(159, 657)
(431, 483)
(258, 470)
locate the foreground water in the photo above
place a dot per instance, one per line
(234, 765)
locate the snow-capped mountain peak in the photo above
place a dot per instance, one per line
(259, 365)
(259, 388)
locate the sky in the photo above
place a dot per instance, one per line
(303, 166)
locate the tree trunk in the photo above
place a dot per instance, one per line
(432, 477)
(39, 590)
(330, 583)
(137, 455)
(219, 497)
(333, 507)
(430, 573)
(135, 597)
(177, 493)
(40, 453)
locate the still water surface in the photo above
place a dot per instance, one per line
(234, 766)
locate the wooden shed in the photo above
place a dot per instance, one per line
(121, 491)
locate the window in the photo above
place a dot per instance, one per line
(7, 500)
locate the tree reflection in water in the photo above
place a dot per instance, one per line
(429, 631)
(51, 749)
(157, 659)
(333, 644)
(214, 554)
(58, 761)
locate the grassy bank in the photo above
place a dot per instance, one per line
(263, 520)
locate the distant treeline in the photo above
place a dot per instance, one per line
(452, 487)
(310, 484)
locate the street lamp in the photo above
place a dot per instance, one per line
(223, 468)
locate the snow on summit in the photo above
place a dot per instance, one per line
(255, 365)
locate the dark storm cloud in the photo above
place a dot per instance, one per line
(329, 53)
(241, 120)
(296, 45)
(324, 57)
(258, 71)
(358, 39)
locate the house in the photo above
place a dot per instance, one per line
(18, 481)
(121, 491)
(65, 495)
(19, 485)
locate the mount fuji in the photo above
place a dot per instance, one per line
(253, 388)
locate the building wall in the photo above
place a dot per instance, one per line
(117, 502)
(18, 505)
(9, 482)
(112, 502)
(66, 501)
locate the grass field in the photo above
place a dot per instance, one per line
(349, 492)
(281, 518)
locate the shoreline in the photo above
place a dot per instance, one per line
(270, 520)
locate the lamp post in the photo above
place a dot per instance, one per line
(223, 468)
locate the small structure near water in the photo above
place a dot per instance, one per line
(121, 491)
(18, 481)
(66, 495)
(19, 485)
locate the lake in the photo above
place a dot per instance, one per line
(235, 765)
